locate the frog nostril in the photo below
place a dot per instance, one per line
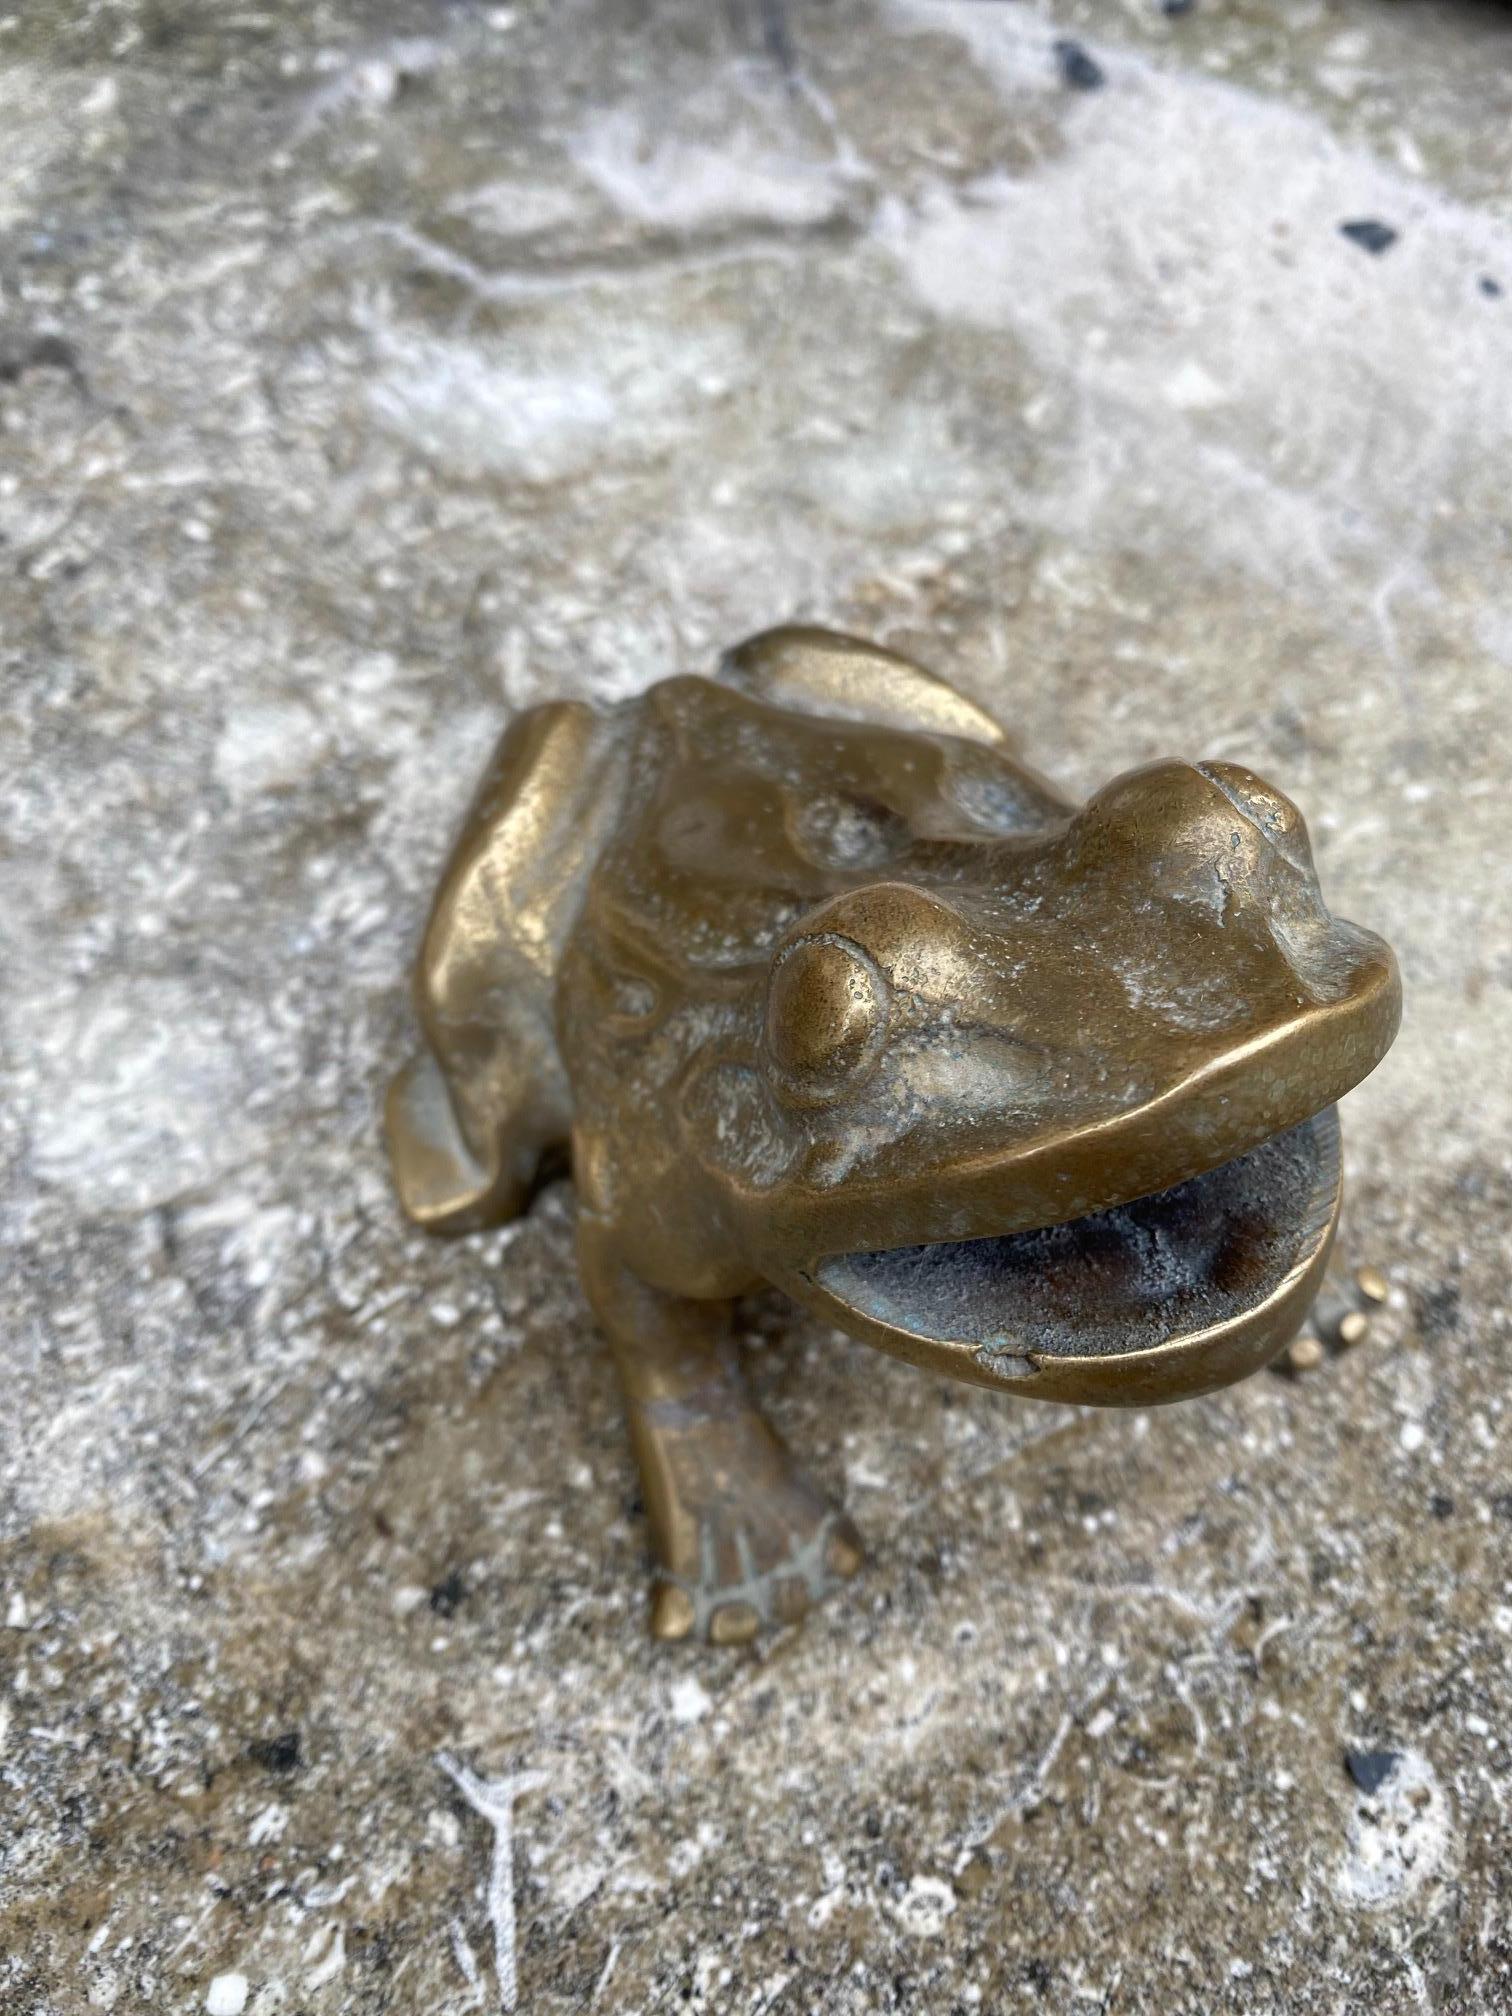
(1266, 808)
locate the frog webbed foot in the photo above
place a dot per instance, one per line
(760, 1566)
(1340, 1317)
(743, 1541)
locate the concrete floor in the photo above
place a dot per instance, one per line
(369, 370)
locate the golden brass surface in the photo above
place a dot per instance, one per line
(821, 987)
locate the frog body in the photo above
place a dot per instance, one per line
(820, 986)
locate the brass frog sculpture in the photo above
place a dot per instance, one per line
(822, 988)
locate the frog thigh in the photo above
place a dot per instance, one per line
(469, 1119)
(815, 671)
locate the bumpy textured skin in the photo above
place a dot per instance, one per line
(803, 967)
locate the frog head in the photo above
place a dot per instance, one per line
(1058, 1113)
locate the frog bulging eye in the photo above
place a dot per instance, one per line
(826, 1017)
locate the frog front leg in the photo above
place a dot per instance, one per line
(742, 1539)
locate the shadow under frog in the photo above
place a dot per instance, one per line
(821, 987)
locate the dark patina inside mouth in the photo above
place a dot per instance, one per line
(1158, 1268)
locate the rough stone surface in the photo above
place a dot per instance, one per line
(366, 371)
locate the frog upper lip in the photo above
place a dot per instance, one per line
(1225, 1105)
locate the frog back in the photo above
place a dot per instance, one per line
(812, 764)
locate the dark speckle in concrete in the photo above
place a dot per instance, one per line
(1439, 1310)
(1371, 1768)
(280, 1754)
(1078, 67)
(48, 352)
(1370, 234)
(448, 1594)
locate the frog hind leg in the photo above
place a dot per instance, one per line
(988, 786)
(444, 1183)
(743, 1541)
(471, 1118)
(815, 671)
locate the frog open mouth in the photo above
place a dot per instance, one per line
(1154, 1299)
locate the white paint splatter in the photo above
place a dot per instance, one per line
(325, 1956)
(688, 1701)
(268, 744)
(467, 1960)
(1399, 1837)
(139, 1097)
(924, 1907)
(227, 1995)
(679, 183)
(586, 395)
(493, 1800)
(371, 82)
(1167, 323)
(512, 209)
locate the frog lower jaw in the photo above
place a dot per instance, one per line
(1156, 1299)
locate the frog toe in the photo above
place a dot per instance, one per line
(673, 1614)
(843, 1551)
(770, 1581)
(734, 1623)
